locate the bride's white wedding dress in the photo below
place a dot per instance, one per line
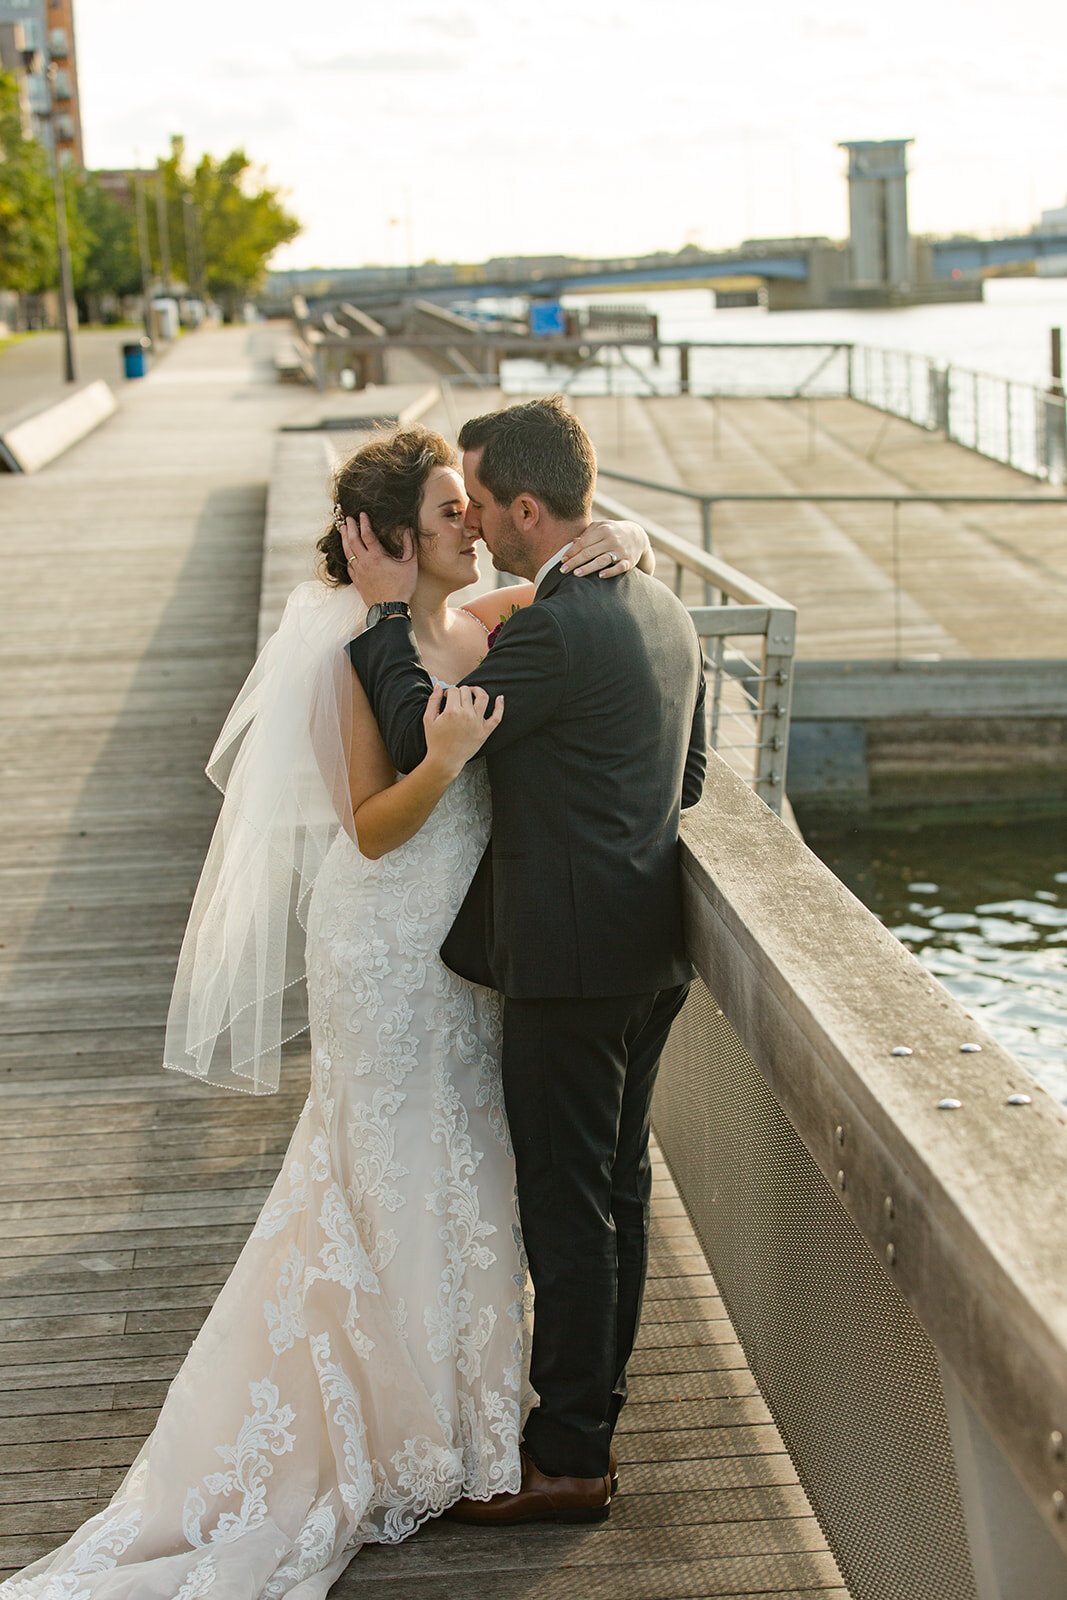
(363, 1365)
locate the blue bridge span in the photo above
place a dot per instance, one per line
(782, 262)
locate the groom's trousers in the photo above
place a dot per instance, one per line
(578, 1081)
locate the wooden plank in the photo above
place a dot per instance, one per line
(132, 1394)
(64, 1428)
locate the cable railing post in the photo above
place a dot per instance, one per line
(705, 536)
(683, 369)
(718, 647)
(772, 719)
(1009, 443)
(896, 582)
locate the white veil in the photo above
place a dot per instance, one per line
(281, 762)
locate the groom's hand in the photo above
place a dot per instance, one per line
(375, 574)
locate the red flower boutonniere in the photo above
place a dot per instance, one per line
(490, 640)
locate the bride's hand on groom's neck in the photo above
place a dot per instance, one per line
(375, 574)
(608, 549)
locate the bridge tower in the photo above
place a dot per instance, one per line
(879, 240)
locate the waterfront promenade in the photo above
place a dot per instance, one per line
(131, 570)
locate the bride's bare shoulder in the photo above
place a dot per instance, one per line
(497, 604)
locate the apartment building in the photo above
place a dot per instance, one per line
(37, 44)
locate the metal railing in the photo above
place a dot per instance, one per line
(868, 1173)
(1016, 423)
(707, 501)
(750, 686)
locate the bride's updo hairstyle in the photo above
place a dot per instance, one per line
(385, 478)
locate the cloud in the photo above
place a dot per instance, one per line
(148, 127)
(452, 25)
(384, 61)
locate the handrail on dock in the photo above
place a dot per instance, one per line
(750, 695)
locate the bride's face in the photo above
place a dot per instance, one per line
(447, 549)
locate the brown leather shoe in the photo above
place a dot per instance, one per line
(541, 1499)
(613, 1469)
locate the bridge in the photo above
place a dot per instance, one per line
(544, 277)
(819, 264)
(974, 257)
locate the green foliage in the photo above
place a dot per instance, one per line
(106, 231)
(224, 222)
(239, 221)
(28, 259)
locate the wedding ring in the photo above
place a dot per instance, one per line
(612, 557)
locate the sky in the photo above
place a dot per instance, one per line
(402, 131)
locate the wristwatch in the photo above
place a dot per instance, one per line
(386, 608)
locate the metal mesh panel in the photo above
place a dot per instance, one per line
(849, 1374)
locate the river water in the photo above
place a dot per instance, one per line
(1007, 333)
(982, 904)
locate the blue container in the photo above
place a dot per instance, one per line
(135, 358)
(547, 319)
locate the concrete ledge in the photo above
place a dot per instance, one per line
(31, 444)
(825, 691)
(870, 735)
(820, 994)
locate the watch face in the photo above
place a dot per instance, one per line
(387, 608)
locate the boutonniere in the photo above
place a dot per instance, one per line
(490, 639)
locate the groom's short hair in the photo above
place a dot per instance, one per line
(538, 448)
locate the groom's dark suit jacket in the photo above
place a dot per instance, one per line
(602, 741)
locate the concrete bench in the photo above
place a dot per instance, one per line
(31, 443)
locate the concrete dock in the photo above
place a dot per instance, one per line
(984, 581)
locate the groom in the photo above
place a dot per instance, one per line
(574, 913)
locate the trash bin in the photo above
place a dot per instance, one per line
(135, 357)
(166, 323)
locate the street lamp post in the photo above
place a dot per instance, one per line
(193, 271)
(162, 229)
(142, 247)
(33, 61)
(66, 277)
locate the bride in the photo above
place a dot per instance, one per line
(363, 1366)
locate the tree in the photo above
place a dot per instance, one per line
(107, 230)
(28, 258)
(240, 222)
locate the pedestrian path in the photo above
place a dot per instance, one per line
(131, 575)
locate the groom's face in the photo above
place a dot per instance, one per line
(492, 521)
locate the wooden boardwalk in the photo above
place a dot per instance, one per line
(131, 574)
(983, 581)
